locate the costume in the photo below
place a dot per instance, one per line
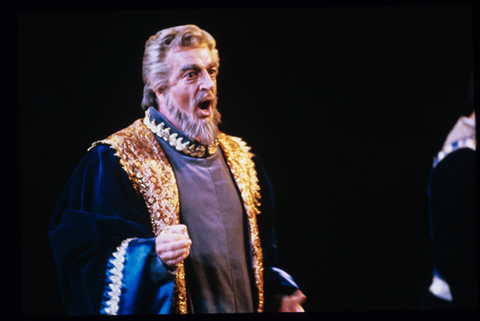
(130, 187)
(452, 202)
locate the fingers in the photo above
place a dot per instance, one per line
(293, 302)
(168, 244)
(173, 246)
(180, 229)
(172, 258)
(167, 238)
(299, 296)
(290, 305)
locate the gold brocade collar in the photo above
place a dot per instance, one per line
(188, 148)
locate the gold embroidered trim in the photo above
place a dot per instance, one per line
(152, 176)
(187, 148)
(239, 159)
(142, 157)
(116, 276)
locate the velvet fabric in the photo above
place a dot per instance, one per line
(452, 194)
(146, 285)
(97, 210)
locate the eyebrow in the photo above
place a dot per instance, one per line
(190, 67)
(197, 68)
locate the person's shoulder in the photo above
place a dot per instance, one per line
(456, 168)
(460, 158)
(100, 149)
(231, 140)
(131, 131)
(101, 153)
(237, 143)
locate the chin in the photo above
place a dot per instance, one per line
(204, 130)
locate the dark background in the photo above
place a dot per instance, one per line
(346, 106)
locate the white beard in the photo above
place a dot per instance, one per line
(205, 129)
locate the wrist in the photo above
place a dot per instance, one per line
(171, 269)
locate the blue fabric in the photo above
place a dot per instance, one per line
(97, 210)
(275, 282)
(142, 292)
(452, 206)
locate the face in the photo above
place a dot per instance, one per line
(189, 103)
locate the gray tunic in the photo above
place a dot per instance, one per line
(218, 274)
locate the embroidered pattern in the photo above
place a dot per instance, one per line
(239, 159)
(116, 276)
(142, 157)
(147, 166)
(187, 148)
(150, 172)
(467, 142)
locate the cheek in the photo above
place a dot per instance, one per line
(182, 98)
(185, 99)
(215, 87)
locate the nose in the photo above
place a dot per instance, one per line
(206, 82)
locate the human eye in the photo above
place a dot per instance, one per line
(191, 74)
(213, 72)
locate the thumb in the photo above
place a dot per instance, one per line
(180, 229)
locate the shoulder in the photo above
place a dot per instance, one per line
(458, 162)
(100, 156)
(232, 144)
(137, 129)
(238, 145)
(455, 172)
(233, 140)
(100, 150)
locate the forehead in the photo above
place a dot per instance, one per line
(200, 56)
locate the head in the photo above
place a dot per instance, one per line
(180, 66)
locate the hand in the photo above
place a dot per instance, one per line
(293, 302)
(173, 246)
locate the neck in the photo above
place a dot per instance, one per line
(164, 111)
(176, 138)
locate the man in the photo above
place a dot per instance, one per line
(164, 215)
(452, 189)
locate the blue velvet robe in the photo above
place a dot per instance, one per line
(97, 210)
(452, 195)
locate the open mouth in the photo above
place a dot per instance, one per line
(204, 105)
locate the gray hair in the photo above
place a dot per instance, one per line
(156, 70)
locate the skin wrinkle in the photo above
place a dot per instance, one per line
(195, 67)
(193, 78)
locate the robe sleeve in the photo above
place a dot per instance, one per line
(452, 193)
(103, 244)
(277, 282)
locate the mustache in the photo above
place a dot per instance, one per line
(199, 98)
(206, 130)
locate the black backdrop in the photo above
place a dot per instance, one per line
(346, 107)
